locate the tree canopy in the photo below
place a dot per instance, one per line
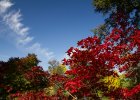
(99, 67)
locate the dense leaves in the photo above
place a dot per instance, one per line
(99, 67)
(20, 75)
(94, 60)
(112, 8)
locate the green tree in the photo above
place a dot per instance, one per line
(101, 31)
(12, 76)
(111, 8)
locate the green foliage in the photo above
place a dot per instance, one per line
(109, 6)
(112, 7)
(20, 83)
(127, 83)
(102, 5)
(101, 31)
(13, 72)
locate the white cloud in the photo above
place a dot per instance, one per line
(5, 5)
(24, 41)
(13, 20)
(37, 49)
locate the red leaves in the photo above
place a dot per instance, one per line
(7, 88)
(57, 79)
(71, 72)
(90, 62)
(115, 35)
(93, 60)
(136, 39)
(89, 42)
(35, 72)
(73, 86)
(30, 95)
(70, 51)
(37, 77)
(123, 68)
(129, 93)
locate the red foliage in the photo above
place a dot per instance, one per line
(30, 95)
(93, 60)
(129, 93)
(90, 62)
(37, 77)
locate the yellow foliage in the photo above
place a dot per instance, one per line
(112, 82)
(61, 69)
(50, 91)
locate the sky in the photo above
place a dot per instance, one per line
(47, 28)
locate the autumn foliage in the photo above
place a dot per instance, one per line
(95, 59)
(98, 68)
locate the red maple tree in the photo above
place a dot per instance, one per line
(94, 59)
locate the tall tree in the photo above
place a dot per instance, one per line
(111, 8)
(93, 60)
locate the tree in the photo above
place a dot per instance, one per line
(38, 81)
(15, 74)
(101, 31)
(22, 78)
(57, 79)
(111, 8)
(56, 68)
(94, 60)
(131, 10)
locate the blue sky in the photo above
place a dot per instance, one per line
(45, 27)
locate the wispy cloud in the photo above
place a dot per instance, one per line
(24, 40)
(13, 20)
(5, 5)
(39, 50)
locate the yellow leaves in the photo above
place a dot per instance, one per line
(60, 69)
(99, 93)
(50, 91)
(112, 82)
